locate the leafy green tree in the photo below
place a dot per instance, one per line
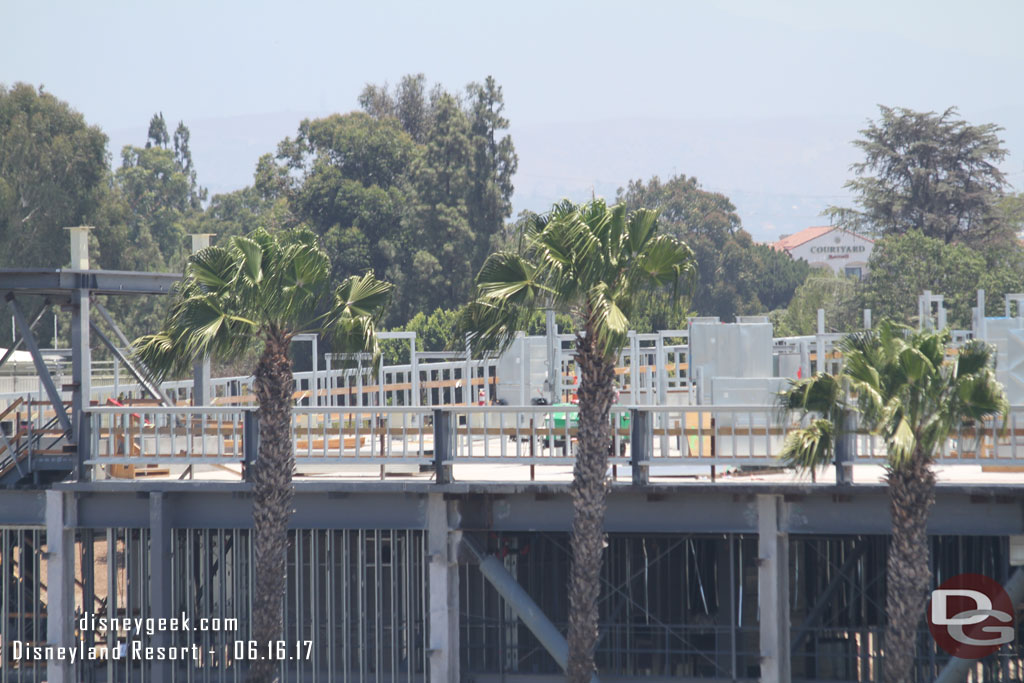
(733, 274)
(53, 173)
(903, 266)
(906, 393)
(269, 287)
(823, 289)
(595, 263)
(930, 172)
(776, 276)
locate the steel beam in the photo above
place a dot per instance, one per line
(443, 578)
(105, 314)
(520, 602)
(17, 342)
(151, 387)
(816, 612)
(773, 589)
(60, 574)
(65, 282)
(159, 579)
(37, 358)
(81, 375)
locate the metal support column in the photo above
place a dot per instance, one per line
(867, 318)
(844, 451)
(554, 366)
(773, 589)
(444, 446)
(81, 371)
(250, 443)
(60, 575)
(159, 580)
(444, 592)
(641, 442)
(822, 365)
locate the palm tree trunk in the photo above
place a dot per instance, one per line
(911, 494)
(272, 497)
(589, 493)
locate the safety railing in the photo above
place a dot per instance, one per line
(653, 440)
(148, 435)
(993, 441)
(339, 436)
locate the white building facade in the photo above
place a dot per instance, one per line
(830, 247)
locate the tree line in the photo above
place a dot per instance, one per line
(416, 186)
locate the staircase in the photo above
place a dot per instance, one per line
(34, 454)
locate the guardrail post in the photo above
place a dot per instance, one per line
(84, 447)
(250, 443)
(641, 443)
(443, 446)
(846, 445)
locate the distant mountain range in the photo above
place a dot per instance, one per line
(780, 172)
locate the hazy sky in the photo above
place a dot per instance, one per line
(715, 63)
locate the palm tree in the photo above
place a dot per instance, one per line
(595, 263)
(265, 288)
(903, 390)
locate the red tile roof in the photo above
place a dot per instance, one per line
(806, 235)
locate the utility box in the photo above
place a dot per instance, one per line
(729, 350)
(522, 369)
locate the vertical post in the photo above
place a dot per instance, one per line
(201, 368)
(79, 247)
(524, 370)
(159, 580)
(443, 577)
(641, 443)
(634, 367)
(979, 318)
(443, 446)
(820, 342)
(316, 372)
(844, 451)
(60, 574)
(81, 373)
(250, 443)
(867, 318)
(554, 363)
(414, 368)
(773, 589)
(469, 398)
(805, 360)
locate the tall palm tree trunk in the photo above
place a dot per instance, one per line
(911, 494)
(272, 497)
(589, 493)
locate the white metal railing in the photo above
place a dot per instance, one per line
(704, 436)
(992, 442)
(144, 435)
(338, 436)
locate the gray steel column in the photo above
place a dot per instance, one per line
(60, 575)
(444, 446)
(641, 444)
(201, 368)
(159, 579)
(867, 318)
(773, 589)
(554, 373)
(821, 340)
(979, 329)
(81, 374)
(443, 576)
